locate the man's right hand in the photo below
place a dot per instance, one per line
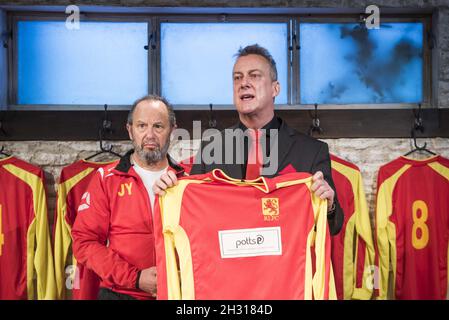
(148, 281)
(167, 180)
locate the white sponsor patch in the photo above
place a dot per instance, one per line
(250, 242)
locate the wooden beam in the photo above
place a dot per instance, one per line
(84, 125)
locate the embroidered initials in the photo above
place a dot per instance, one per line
(127, 187)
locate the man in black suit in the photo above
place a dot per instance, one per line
(283, 149)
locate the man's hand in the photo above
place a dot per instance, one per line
(148, 281)
(167, 180)
(321, 189)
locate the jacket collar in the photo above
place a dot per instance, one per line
(285, 139)
(275, 123)
(125, 165)
(285, 134)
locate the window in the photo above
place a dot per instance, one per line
(351, 64)
(197, 58)
(100, 63)
(332, 61)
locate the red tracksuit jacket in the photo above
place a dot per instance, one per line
(113, 232)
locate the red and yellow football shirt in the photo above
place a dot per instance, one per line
(352, 247)
(222, 238)
(25, 249)
(412, 227)
(73, 182)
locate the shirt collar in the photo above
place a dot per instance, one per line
(275, 123)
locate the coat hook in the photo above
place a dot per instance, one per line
(2, 130)
(212, 120)
(315, 127)
(105, 128)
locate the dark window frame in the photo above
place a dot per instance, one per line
(154, 55)
(349, 121)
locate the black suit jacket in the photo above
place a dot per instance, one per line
(303, 153)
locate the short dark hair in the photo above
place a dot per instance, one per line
(260, 51)
(153, 97)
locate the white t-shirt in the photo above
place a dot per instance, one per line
(149, 178)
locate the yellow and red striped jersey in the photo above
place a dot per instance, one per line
(353, 246)
(73, 182)
(26, 261)
(223, 238)
(412, 228)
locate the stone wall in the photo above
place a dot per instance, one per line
(368, 154)
(420, 4)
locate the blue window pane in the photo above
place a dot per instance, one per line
(101, 62)
(348, 64)
(197, 58)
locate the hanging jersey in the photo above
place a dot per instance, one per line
(233, 239)
(25, 249)
(352, 247)
(412, 228)
(82, 282)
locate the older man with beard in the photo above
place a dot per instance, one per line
(113, 232)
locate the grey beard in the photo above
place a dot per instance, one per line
(152, 157)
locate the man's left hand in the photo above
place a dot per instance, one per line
(321, 189)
